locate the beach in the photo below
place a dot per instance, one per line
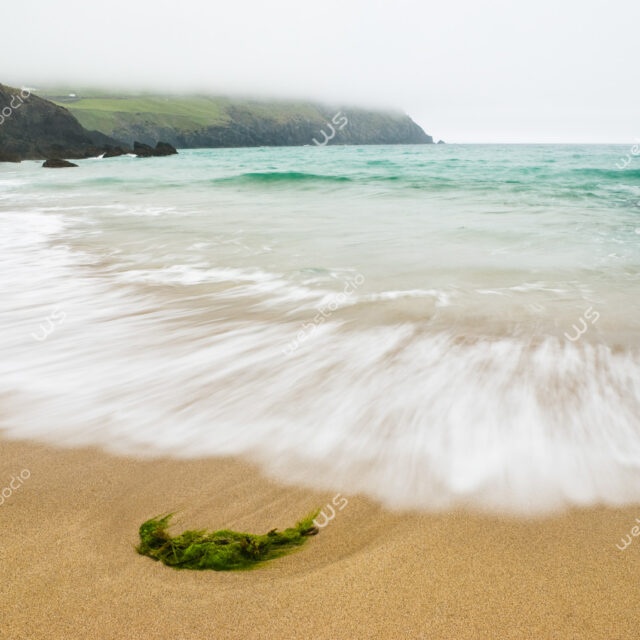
(326, 327)
(70, 569)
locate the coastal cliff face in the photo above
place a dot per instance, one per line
(245, 130)
(32, 128)
(204, 121)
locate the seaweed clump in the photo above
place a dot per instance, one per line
(222, 550)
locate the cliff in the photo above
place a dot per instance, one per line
(32, 128)
(205, 121)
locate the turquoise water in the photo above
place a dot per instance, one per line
(430, 325)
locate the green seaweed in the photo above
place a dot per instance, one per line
(222, 550)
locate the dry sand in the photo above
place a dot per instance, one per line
(69, 569)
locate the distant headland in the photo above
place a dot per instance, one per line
(47, 123)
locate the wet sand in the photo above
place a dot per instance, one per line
(69, 569)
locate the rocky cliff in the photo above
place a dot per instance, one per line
(206, 121)
(34, 129)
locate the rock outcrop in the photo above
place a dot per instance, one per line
(114, 152)
(35, 129)
(145, 151)
(57, 163)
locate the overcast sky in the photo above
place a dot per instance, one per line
(465, 70)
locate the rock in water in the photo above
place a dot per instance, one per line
(145, 151)
(57, 163)
(142, 150)
(165, 149)
(114, 152)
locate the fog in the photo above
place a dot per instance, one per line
(466, 71)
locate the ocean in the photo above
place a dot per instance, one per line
(431, 326)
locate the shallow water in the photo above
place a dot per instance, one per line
(430, 325)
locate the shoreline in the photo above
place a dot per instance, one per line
(70, 569)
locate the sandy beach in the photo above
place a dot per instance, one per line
(69, 569)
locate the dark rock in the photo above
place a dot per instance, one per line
(114, 152)
(56, 163)
(165, 149)
(441, 142)
(108, 151)
(142, 150)
(145, 151)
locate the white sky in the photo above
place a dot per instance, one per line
(466, 71)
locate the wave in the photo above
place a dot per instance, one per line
(624, 175)
(262, 177)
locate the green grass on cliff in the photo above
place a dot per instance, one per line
(107, 114)
(222, 550)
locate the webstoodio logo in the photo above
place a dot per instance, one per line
(14, 484)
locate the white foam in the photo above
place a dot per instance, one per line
(413, 418)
